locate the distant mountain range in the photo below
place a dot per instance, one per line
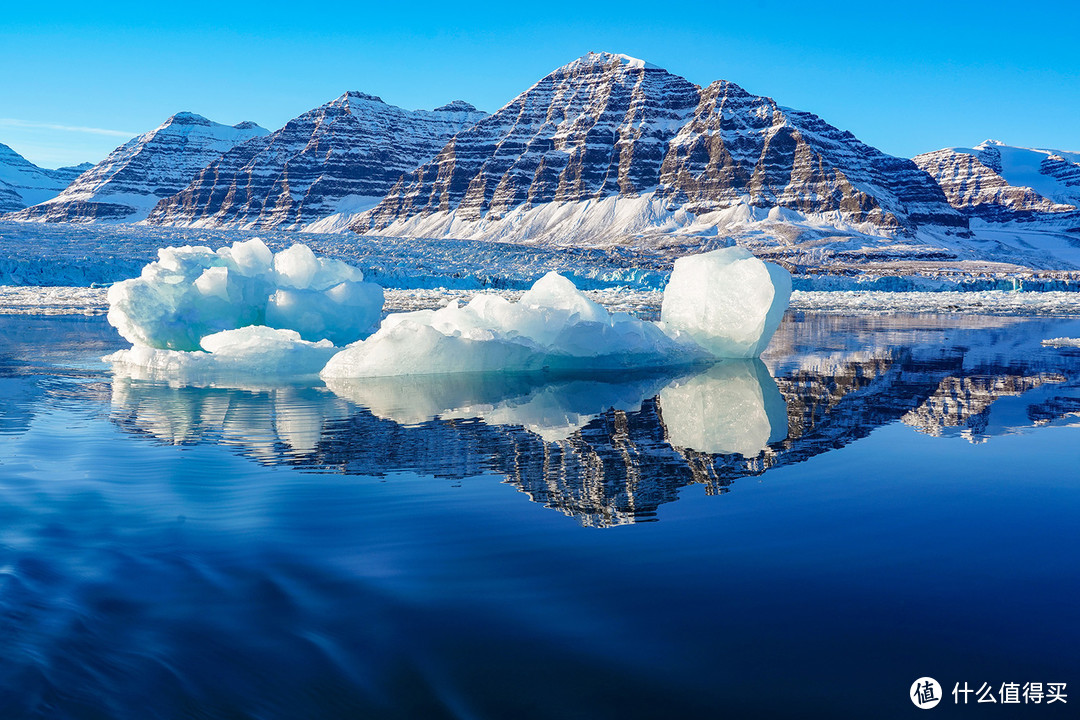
(604, 150)
(999, 183)
(23, 183)
(126, 185)
(339, 158)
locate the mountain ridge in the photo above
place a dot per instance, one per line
(22, 183)
(608, 125)
(338, 158)
(126, 185)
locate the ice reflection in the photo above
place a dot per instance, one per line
(551, 408)
(270, 422)
(611, 450)
(733, 407)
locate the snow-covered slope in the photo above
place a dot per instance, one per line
(126, 185)
(329, 163)
(23, 183)
(997, 182)
(608, 148)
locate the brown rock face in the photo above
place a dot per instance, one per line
(1001, 183)
(345, 153)
(607, 125)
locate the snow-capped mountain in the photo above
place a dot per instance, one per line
(23, 183)
(330, 162)
(998, 183)
(126, 185)
(609, 147)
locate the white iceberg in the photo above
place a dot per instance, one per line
(253, 351)
(733, 407)
(243, 309)
(191, 292)
(727, 300)
(553, 327)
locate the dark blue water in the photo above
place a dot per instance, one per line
(908, 509)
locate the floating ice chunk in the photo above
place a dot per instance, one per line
(191, 292)
(296, 266)
(555, 291)
(733, 407)
(727, 300)
(250, 351)
(553, 327)
(1062, 342)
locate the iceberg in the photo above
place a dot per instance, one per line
(243, 309)
(553, 327)
(253, 351)
(727, 300)
(191, 292)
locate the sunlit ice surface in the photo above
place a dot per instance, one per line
(880, 498)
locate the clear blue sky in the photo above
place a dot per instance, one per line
(906, 77)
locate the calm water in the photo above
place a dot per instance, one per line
(881, 499)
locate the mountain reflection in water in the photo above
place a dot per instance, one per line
(611, 451)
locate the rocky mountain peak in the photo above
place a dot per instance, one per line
(607, 59)
(22, 183)
(357, 95)
(611, 126)
(457, 106)
(247, 125)
(996, 182)
(187, 118)
(333, 160)
(135, 176)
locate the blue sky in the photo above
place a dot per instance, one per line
(79, 78)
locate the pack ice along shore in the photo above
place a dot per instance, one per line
(605, 150)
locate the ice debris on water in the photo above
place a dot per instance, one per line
(192, 291)
(1062, 342)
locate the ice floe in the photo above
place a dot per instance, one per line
(192, 291)
(1062, 342)
(553, 326)
(727, 300)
